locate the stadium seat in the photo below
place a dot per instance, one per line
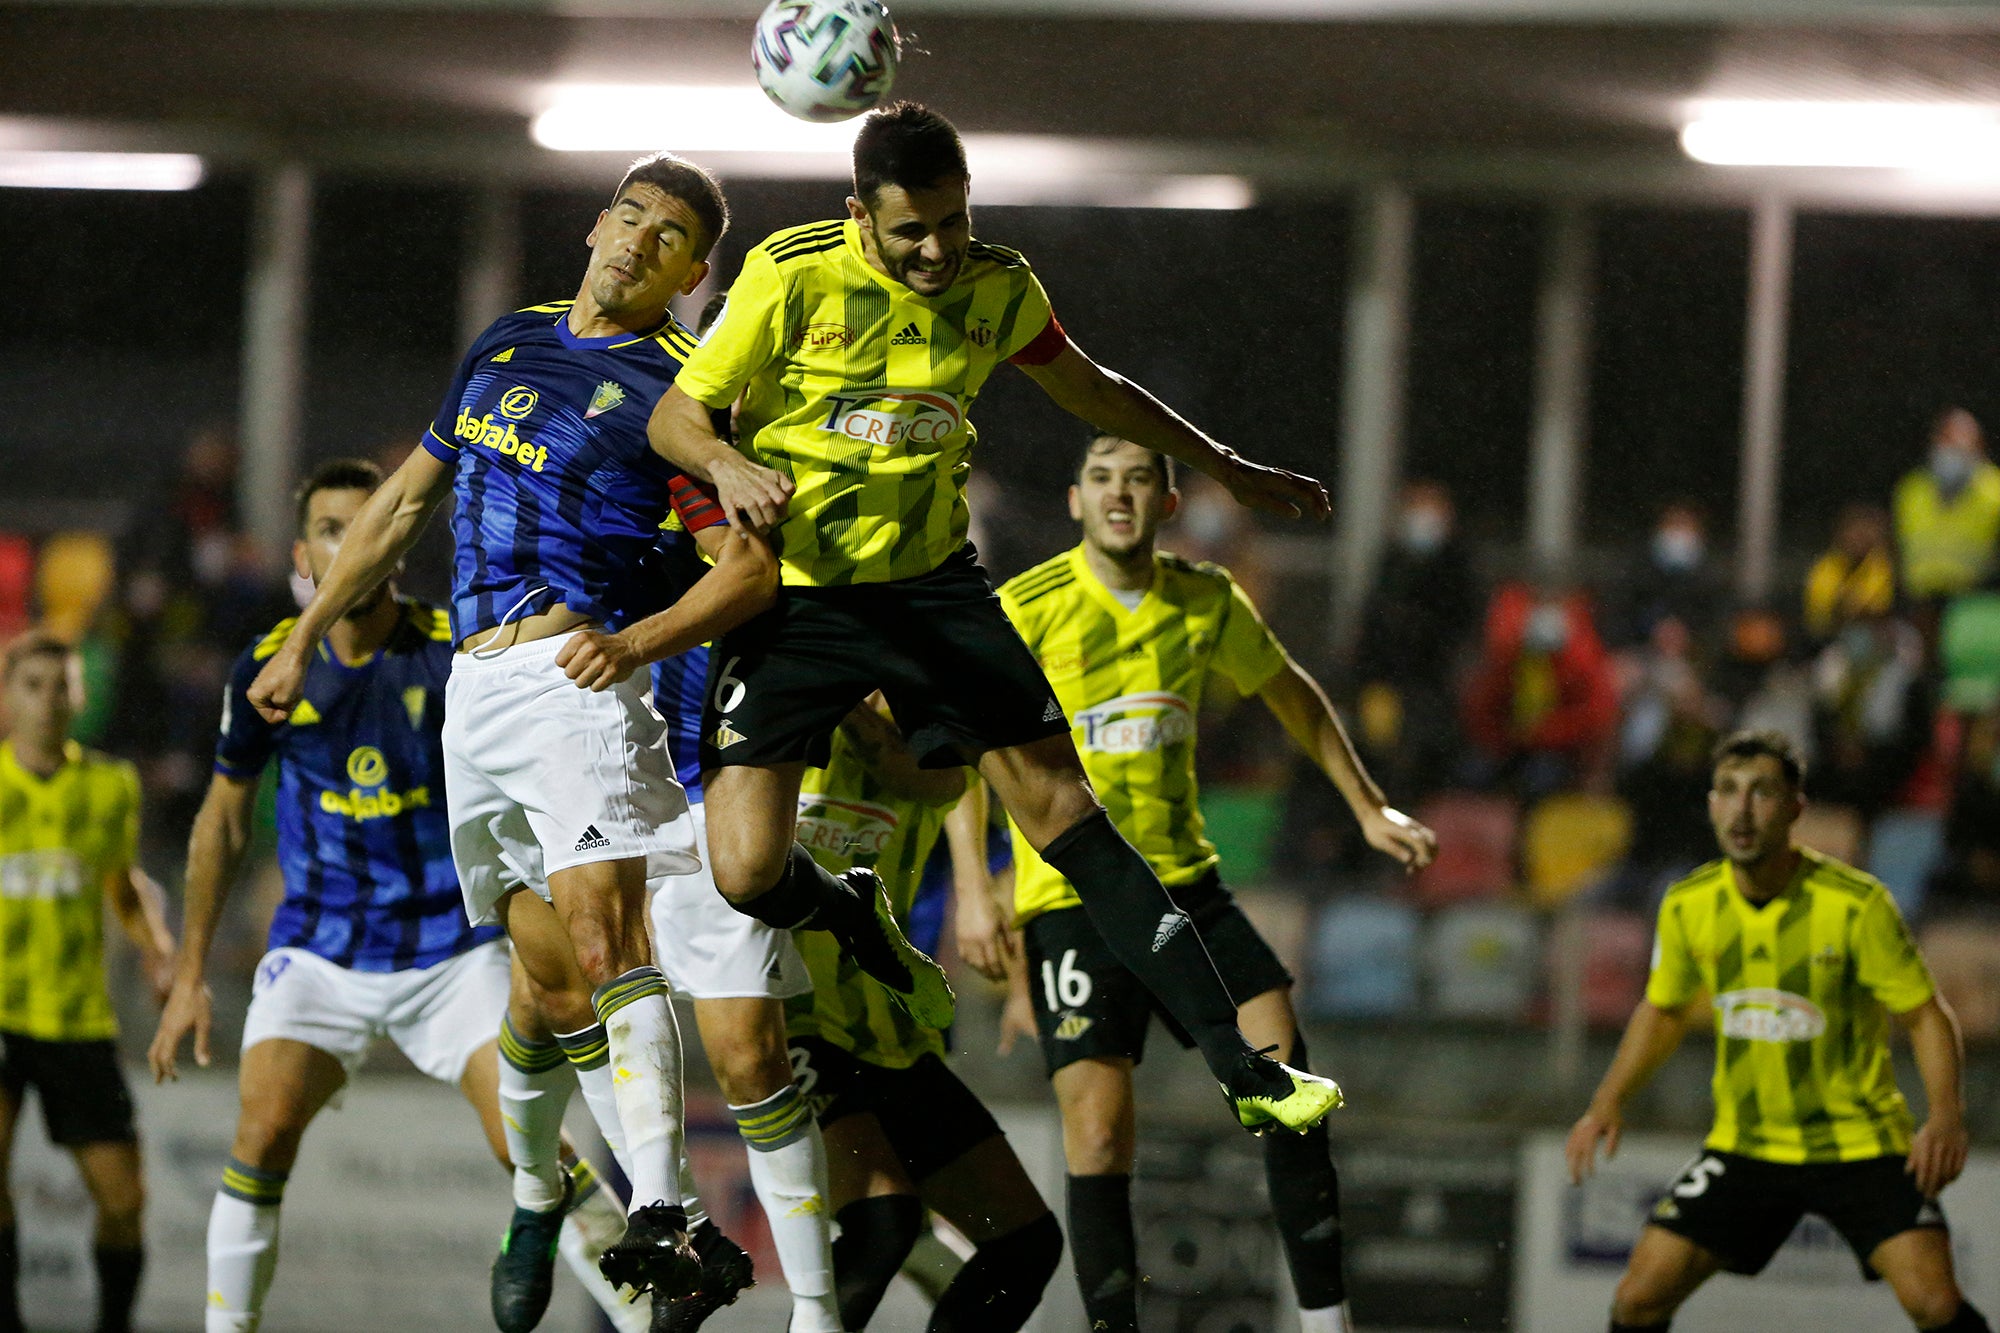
(72, 581)
(1475, 848)
(1482, 960)
(1831, 830)
(1904, 847)
(1617, 953)
(1969, 647)
(1570, 841)
(17, 577)
(1364, 960)
(1964, 957)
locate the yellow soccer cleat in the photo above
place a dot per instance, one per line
(1310, 1099)
(912, 979)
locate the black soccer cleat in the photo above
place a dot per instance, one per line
(726, 1272)
(654, 1255)
(867, 930)
(525, 1269)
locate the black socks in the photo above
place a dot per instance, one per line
(1001, 1284)
(875, 1237)
(1104, 1253)
(1305, 1197)
(1967, 1320)
(118, 1272)
(10, 1279)
(797, 897)
(1154, 939)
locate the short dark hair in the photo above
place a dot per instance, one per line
(1754, 744)
(34, 643)
(335, 474)
(678, 178)
(710, 313)
(908, 145)
(1099, 441)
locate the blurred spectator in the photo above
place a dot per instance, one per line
(1856, 576)
(1417, 623)
(1874, 704)
(1969, 880)
(1670, 724)
(1948, 511)
(1759, 683)
(1674, 580)
(1542, 707)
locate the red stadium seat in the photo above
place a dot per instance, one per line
(1475, 858)
(17, 579)
(1617, 953)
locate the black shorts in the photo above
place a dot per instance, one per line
(955, 672)
(929, 1117)
(1741, 1209)
(1088, 1006)
(83, 1092)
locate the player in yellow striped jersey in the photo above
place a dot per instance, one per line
(1804, 960)
(69, 833)
(902, 1132)
(857, 346)
(1129, 636)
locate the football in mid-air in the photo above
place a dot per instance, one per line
(825, 60)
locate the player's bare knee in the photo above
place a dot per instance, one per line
(742, 873)
(1932, 1306)
(267, 1137)
(1097, 1141)
(1641, 1300)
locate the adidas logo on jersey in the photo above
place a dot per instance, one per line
(592, 840)
(909, 336)
(1170, 925)
(1053, 713)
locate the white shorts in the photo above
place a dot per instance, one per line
(711, 951)
(540, 776)
(437, 1015)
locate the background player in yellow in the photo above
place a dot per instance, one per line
(1804, 960)
(69, 832)
(857, 346)
(902, 1131)
(1129, 636)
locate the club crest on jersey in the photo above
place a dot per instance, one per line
(845, 828)
(609, 394)
(1763, 1014)
(1135, 723)
(893, 417)
(982, 335)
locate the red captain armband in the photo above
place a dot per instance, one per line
(1046, 346)
(696, 504)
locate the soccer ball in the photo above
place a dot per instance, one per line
(825, 60)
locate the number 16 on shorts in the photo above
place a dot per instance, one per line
(1064, 985)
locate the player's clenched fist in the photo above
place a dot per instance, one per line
(752, 493)
(596, 660)
(280, 685)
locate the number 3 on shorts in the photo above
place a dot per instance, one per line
(729, 691)
(1066, 987)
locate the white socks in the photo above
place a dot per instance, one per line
(645, 1048)
(242, 1247)
(589, 1055)
(788, 1171)
(535, 1083)
(595, 1223)
(1328, 1319)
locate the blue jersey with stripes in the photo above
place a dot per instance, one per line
(559, 495)
(678, 682)
(363, 841)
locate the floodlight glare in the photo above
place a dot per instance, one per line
(1957, 139)
(38, 170)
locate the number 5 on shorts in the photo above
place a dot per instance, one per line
(1067, 987)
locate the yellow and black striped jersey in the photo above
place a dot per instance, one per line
(1802, 988)
(61, 838)
(857, 388)
(847, 819)
(1131, 682)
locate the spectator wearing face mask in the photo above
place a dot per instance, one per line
(1948, 511)
(1416, 627)
(1542, 708)
(1673, 580)
(1855, 578)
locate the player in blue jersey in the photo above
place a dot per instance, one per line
(371, 939)
(571, 792)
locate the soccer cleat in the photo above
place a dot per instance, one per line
(654, 1255)
(1268, 1095)
(726, 1272)
(524, 1271)
(877, 944)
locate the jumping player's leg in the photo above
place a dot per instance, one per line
(1305, 1190)
(1917, 1266)
(878, 1210)
(283, 1084)
(1099, 1119)
(744, 1038)
(1665, 1269)
(1043, 786)
(987, 1195)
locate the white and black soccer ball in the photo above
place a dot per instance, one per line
(825, 60)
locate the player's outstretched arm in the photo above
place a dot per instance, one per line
(380, 536)
(215, 854)
(1937, 1153)
(1652, 1035)
(1112, 403)
(741, 583)
(682, 432)
(1307, 715)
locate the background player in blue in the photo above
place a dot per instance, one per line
(371, 939)
(565, 791)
